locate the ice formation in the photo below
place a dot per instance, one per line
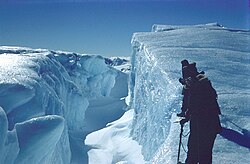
(61, 107)
(45, 97)
(224, 55)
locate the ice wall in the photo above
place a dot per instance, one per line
(224, 54)
(43, 96)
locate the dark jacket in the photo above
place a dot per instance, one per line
(203, 105)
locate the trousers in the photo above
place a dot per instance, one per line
(200, 143)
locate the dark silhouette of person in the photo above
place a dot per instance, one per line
(186, 68)
(203, 114)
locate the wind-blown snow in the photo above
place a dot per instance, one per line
(224, 54)
(45, 97)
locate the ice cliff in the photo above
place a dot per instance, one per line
(49, 100)
(224, 55)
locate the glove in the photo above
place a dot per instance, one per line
(183, 121)
(182, 114)
(182, 81)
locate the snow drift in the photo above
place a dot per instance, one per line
(224, 55)
(45, 97)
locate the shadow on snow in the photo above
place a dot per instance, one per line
(242, 139)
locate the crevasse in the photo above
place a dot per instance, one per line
(44, 96)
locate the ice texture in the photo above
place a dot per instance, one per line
(38, 138)
(224, 55)
(44, 98)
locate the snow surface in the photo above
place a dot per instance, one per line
(51, 100)
(113, 144)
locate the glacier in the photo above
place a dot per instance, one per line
(64, 107)
(50, 101)
(224, 55)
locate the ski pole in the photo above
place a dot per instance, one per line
(179, 149)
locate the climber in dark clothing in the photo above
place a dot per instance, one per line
(203, 114)
(185, 93)
(186, 69)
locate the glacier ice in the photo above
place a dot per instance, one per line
(56, 107)
(224, 55)
(44, 98)
(38, 138)
(8, 141)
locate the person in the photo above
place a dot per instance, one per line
(186, 68)
(203, 114)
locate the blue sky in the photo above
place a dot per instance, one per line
(106, 27)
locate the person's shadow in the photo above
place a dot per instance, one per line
(242, 139)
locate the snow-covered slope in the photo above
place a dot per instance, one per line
(50, 101)
(224, 55)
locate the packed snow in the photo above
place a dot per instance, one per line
(113, 144)
(64, 107)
